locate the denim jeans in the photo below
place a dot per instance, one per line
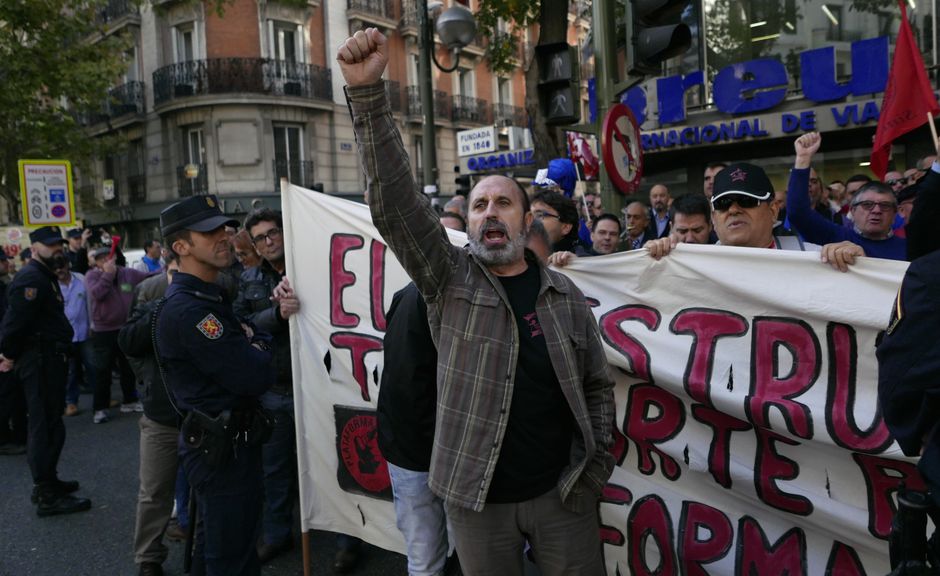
(279, 462)
(81, 368)
(420, 517)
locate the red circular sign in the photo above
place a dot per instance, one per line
(360, 451)
(622, 149)
(58, 211)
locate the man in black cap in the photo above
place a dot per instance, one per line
(77, 252)
(35, 343)
(216, 369)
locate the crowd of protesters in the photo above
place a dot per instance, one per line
(449, 486)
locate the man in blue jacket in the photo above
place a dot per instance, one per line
(873, 208)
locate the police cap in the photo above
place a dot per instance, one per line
(197, 213)
(48, 235)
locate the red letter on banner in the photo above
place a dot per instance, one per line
(377, 285)
(340, 278)
(768, 387)
(840, 398)
(882, 486)
(649, 521)
(706, 327)
(844, 561)
(770, 467)
(694, 552)
(358, 345)
(647, 431)
(627, 345)
(719, 451)
(757, 556)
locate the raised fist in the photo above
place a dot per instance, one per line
(362, 57)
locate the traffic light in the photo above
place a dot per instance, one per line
(656, 34)
(463, 183)
(559, 83)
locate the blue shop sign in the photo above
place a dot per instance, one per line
(760, 85)
(501, 160)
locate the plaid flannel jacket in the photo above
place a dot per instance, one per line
(476, 333)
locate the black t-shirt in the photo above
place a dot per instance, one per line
(537, 443)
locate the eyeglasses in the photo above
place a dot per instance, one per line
(894, 181)
(724, 203)
(272, 234)
(869, 205)
(541, 214)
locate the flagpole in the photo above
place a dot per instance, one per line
(933, 132)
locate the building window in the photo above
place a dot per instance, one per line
(504, 95)
(184, 44)
(191, 176)
(465, 83)
(136, 172)
(289, 155)
(285, 41)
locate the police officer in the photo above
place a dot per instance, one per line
(36, 340)
(909, 397)
(216, 369)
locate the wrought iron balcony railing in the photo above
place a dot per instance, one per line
(192, 186)
(442, 104)
(241, 75)
(470, 109)
(115, 10)
(507, 114)
(121, 101)
(299, 172)
(381, 8)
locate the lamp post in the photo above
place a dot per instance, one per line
(456, 28)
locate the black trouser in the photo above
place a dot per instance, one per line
(43, 377)
(106, 351)
(12, 410)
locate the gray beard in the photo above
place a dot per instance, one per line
(498, 256)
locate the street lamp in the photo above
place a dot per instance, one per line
(456, 28)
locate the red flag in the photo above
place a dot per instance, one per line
(908, 97)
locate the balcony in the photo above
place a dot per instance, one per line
(393, 90)
(137, 189)
(371, 12)
(192, 186)
(442, 104)
(508, 115)
(409, 18)
(241, 76)
(470, 109)
(113, 11)
(124, 100)
(298, 172)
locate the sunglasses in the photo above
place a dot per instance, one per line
(724, 203)
(894, 181)
(869, 205)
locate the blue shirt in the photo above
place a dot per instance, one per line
(814, 228)
(76, 306)
(152, 265)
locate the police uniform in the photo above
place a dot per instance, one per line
(215, 375)
(37, 336)
(279, 454)
(909, 368)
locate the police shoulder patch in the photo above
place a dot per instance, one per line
(211, 327)
(30, 293)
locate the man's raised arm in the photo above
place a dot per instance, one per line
(401, 213)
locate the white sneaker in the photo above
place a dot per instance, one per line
(132, 407)
(100, 416)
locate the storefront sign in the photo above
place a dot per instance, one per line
(823, 118)
(506, 160)
(476, 141)
(759, 85)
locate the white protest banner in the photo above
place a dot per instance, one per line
(748, 435)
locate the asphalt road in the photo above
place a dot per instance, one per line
(104, 459)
